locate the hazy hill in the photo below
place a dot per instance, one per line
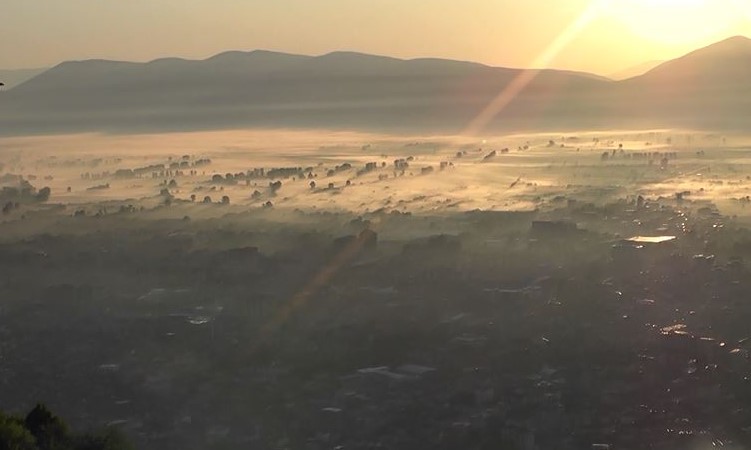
(354, 90)
(260, 88)
(708, 87)
(728, 60)
(14, 77)
(634, 71)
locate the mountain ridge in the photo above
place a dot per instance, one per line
(337, 54)
(353, 89)
(717, 52)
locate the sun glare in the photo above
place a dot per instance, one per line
(674, 21)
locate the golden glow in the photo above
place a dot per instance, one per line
(744, 9)
(653, 22)
(508, 33)
(674, 21)
(513, 89)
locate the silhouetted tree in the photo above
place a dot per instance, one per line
(44, 194)
(50, 431)
(275, 186)
(167, 196)
(42, 430)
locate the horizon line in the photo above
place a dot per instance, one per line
(609, 76)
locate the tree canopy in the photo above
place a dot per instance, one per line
(42, 430)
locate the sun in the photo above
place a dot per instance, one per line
(674, 22)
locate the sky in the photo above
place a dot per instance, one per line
(599, 36)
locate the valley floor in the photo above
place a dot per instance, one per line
(494, 301)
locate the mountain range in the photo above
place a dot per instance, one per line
(708, 88)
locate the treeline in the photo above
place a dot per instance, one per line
(12, 197)
(42, 430)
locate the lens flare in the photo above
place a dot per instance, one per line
(502, 100)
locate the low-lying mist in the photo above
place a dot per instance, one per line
(325, 289)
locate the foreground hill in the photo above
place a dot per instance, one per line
(353, 90)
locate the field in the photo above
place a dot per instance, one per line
(357, 290)
(709, 165)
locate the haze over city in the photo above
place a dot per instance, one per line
(351, 225)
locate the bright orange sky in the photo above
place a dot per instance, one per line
(616, 35)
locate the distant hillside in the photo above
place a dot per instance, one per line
(728, 60)
(354, 90)
(260, 88)
(635, 71)
(709, 87)
(12, 78)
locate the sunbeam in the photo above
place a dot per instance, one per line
(518, 84)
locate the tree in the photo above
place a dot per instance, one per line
(42, 430)
(50, 431)
(44, 194)
(26, 188)
(14, 435)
